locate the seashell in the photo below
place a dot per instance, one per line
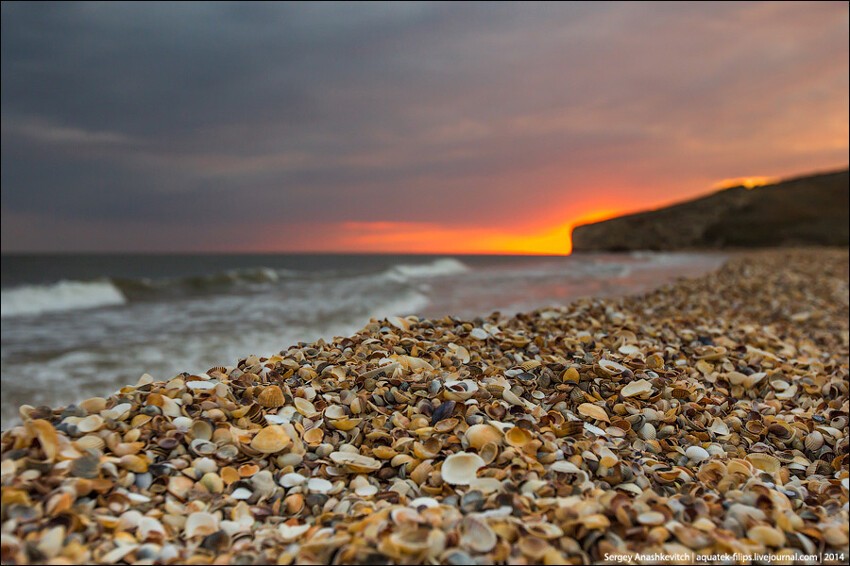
(118, 412)
(480, 434)
(530, 365)
(51, 541)
(443, 411)
(212, 482)
(655, 361)
(294, 503)
(489, 452)
(200, 524)
(768, 536)
(544, 530)
(536, 548)
(149, 528)
(305, 407)
(607, 458)
(446, 425)
(651, 518)
(91, 423)
(319, 485)
(459, 390)
(596, 521)
(814, 441)
(90, 442)
(486, 485)
(593, 412)
(291, 533)
(271, 397)
(637, 388)
(270, 440)
(345, 424)
(570, 375)
(201, 430)
(93, 405)
(133, 463)
(86, 466)
(718, 427)
(427, 502)
(570, 428)
(697, 454)
(355, 462)
(577, 395)
(609, 367)
(648, 432)
(476, 535)
(461, 468)
(764, 462)
(517, 437)
(680, 393)
(47, 437)
(241, 494)
(479, 334)
(292, 480)
(314, 436)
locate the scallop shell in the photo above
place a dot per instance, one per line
(90, 442)
(461, 468)
(764, 462)
(270, 440)
(91, 423)
(814, 441)
(271, 397)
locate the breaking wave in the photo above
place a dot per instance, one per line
(436, 268)
(30, 300)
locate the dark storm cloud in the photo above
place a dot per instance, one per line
(192, 114)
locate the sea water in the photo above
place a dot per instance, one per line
(76, 326)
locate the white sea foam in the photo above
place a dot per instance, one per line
(62, 296)
(436, 268)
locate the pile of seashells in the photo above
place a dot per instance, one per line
(709, 416)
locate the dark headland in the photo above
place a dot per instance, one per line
(810, 210)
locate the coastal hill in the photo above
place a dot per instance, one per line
(811, 210)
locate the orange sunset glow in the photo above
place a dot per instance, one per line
(402, 128)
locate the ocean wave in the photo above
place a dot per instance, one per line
(437, 268)
(30, 300)
(139, 289)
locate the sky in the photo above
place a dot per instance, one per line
(403, 127)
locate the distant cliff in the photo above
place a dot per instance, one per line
(809, 210)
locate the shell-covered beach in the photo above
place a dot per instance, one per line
(707, 417)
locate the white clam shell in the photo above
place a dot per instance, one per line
(461, 468)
